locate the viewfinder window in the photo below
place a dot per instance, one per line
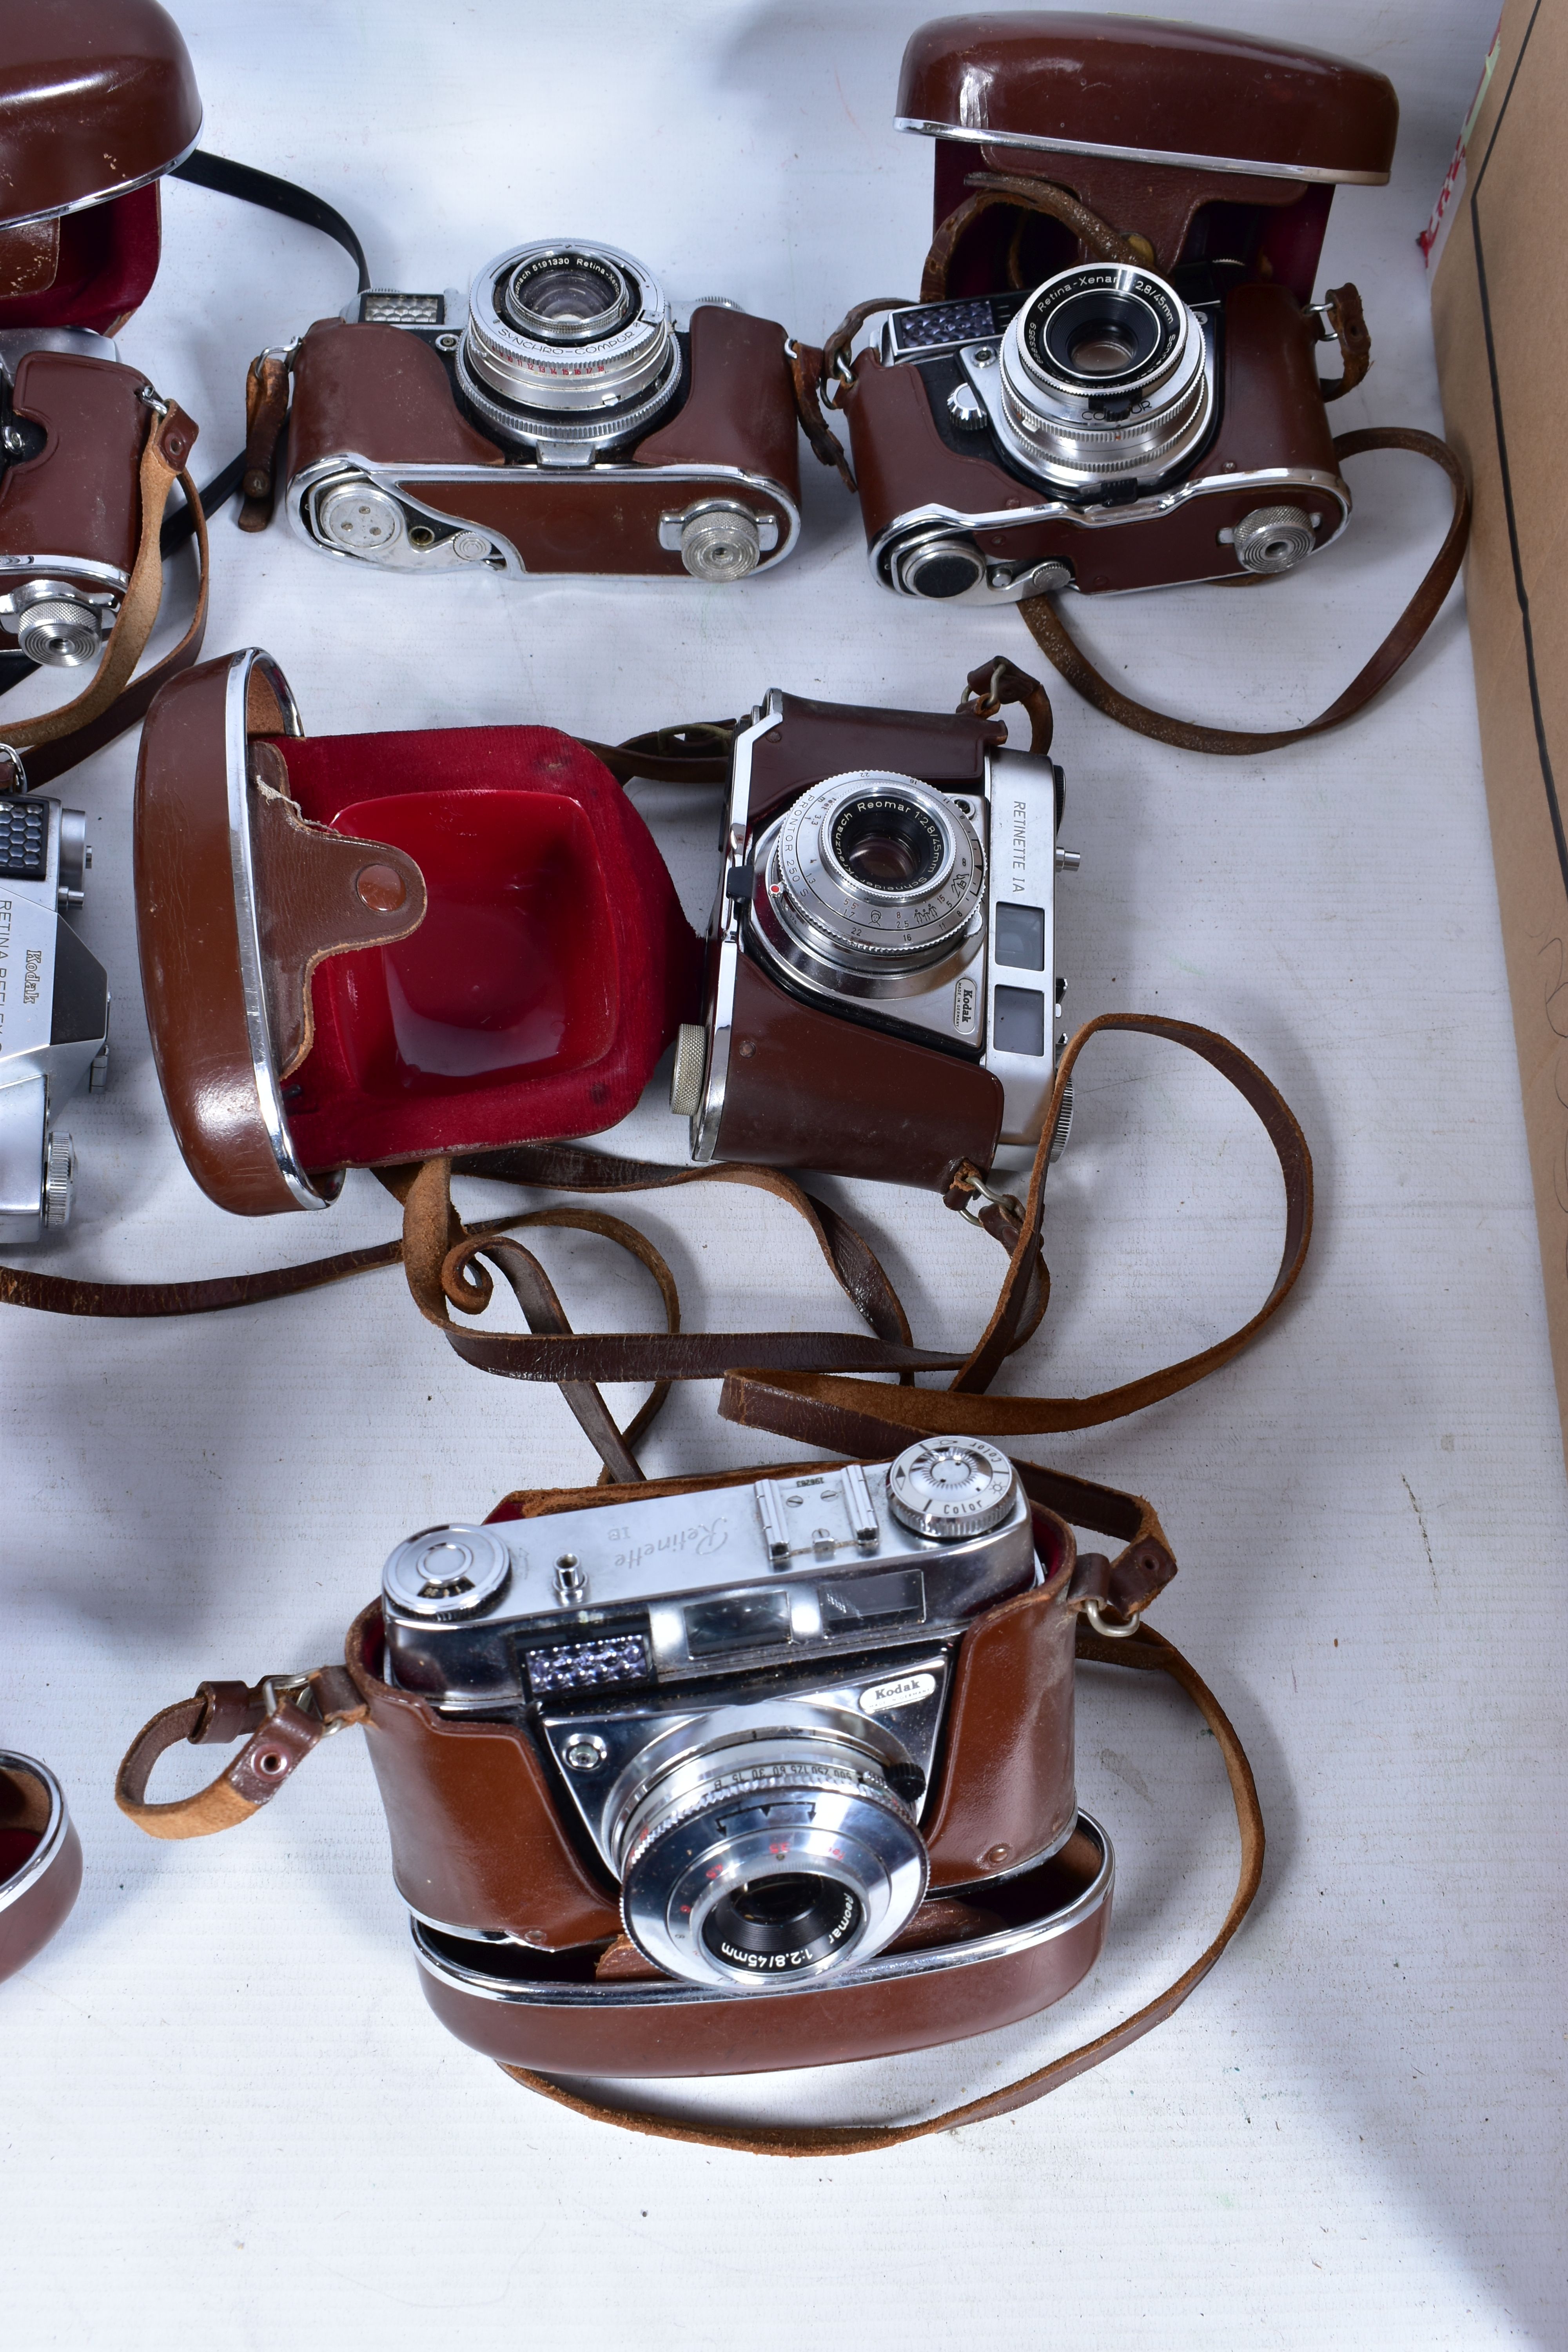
(737, 1620)
(1021, 938)
(1018, 1021)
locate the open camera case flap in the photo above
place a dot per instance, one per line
(1154, 127)
(98, 100)
(480, 1845)
(40, 1860)
(364, 949)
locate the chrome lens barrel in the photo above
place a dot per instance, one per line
(766, 1860)
(1103, 377)
(867, 872)
(578, 333)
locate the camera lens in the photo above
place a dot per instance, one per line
(788, 1922)
(888, 844)
(1102, 376)
(568, 347)
(767, 1854)
(1101, 333)
(868, 882)
(567, 297)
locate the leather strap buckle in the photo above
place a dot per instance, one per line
(16, 775)
(302, 1690)
(973, 1188)
(1112, 1629)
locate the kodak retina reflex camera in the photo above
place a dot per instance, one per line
(556, 421)
(54, 1011)
(1046, 416)
(750, 1710)
(365, 949)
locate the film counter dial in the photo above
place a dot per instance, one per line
(555, 421)
(740, 1696)
(54, 1012)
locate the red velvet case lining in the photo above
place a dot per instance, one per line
(108, 260)
(553, 967)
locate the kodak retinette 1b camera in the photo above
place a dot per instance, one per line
(1109, 382)
(360, 949)
(773, 1718)
(555, 421)
(54, 1011)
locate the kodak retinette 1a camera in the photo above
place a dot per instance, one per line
(1110, 381)
(555, 421)
(54, 1011)
(753, 1728)
(359, 950)
(869, 922)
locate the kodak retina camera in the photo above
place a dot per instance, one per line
(742, 1702)
(95, 112)
(72, 425)
(1046, 416)
(54, 1012)
(556, 421)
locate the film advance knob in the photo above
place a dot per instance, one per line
(950, 1487)
(59, 1180)
(689, 1067)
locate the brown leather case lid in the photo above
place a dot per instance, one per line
(95, 96)
(1129, 85)
(309, 904)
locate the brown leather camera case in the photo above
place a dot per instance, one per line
(480, 1848)
(97, 100)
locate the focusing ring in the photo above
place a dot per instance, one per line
(1084, 424)
(869, 871)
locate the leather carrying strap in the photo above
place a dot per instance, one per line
(264, 415)
(272, 195)
(1144, 1652)
(283, 1718)
(992, 189)
(1042, 615)
(795, 1383)
(36, 751)
(280, 1718)
(811, 1386)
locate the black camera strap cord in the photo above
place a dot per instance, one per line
(227, 178)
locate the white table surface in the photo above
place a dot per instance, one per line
(230, 2115)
